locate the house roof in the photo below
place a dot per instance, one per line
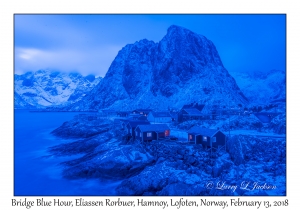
(142, 118)
(192, 111)
(161, 114)
(134, 115)
(123, 112)
(154, 127)
(134, 124)
(142, 110)
(203, 131)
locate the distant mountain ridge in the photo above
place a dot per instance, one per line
(182, 68)
(262, 87)
(45, 88)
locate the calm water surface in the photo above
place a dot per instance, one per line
(37, 173)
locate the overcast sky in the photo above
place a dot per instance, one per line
(89, 43)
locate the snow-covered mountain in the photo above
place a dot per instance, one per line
(184, 67)
(20, 103)
(262, 87)
(47, 88)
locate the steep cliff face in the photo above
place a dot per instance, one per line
(181, 55)
(182, 68)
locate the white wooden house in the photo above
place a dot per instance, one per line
(159, 117)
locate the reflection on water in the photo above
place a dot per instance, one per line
(36, 172)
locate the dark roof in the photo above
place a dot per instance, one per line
(133, 124)
(203, 131)
(196, 106)
(154, 127)
(192, 111)
(142, 110)
(129, 119)
(123, 112)
(161, 114)
(142, 118)
(134, 115)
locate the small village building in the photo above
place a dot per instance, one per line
(123, 113)
(150, 132)
(131, 126)
(133, 117)
(191, 112)
(159, 117)
(174, 116)
(144, 112)
(206, 137)
(142, 118)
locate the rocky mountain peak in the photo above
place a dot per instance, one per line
(174, 29)
(183, 67)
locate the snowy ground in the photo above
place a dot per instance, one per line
(255, 133)
(172, 167)
(180, 134)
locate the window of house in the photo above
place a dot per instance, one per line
(140, 134)
(136, 133)
(204, 138)
(190, 137)
(214, 139)
(149, 134)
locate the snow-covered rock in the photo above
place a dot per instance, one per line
(47, 88)
(277, 125)
(243, 148)
(182, 68)
(20, 103)
(83, 126)
(167, 167)
(119, 162)
(262, 87)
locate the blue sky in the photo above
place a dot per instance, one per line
(89, 43)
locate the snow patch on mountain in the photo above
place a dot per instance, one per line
(262, 87)
(47, 88)
(20, 103)
(182, 68)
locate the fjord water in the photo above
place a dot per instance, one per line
(36, 172)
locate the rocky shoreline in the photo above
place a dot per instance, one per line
(170, 167)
